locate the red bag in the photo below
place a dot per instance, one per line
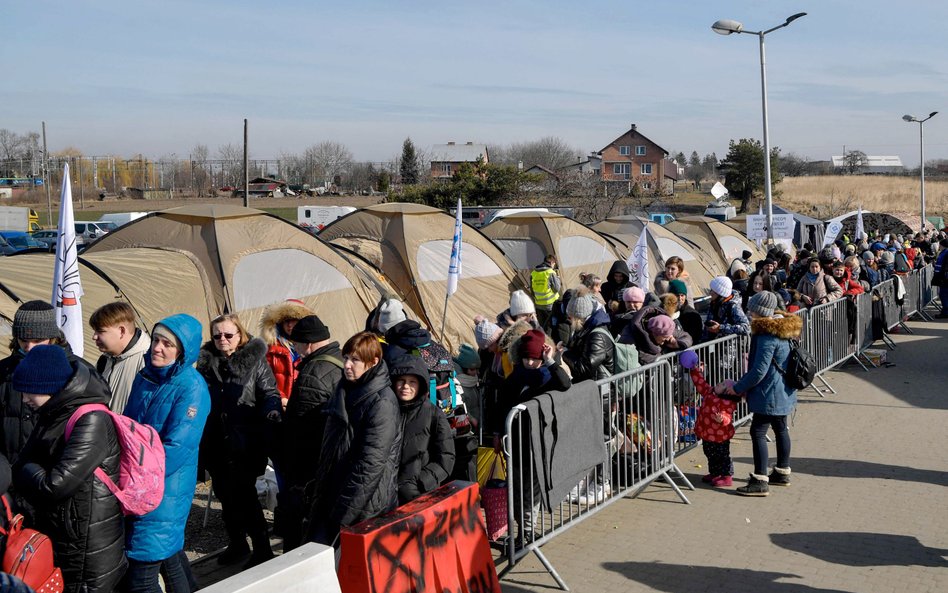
(28, 555)
(494, 501)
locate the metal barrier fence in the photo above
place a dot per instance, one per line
(911, 300)
(831, 342)
(926, 293)
(891, 311)
(638, 433)
(723, 358)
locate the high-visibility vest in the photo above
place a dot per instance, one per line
(543, 295)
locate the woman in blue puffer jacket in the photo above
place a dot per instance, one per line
(768, 396)
(171, 396)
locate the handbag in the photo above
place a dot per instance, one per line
(494, 500)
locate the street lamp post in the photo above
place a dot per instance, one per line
(921, 152)
(727, 27)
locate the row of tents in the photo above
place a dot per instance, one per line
(211, 259)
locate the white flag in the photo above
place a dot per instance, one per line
(638, 262)
(67, 289)
(860, 229)
(454, 267)
(832, 231)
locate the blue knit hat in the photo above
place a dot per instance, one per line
(45, 370)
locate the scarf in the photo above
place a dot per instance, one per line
(812, 277)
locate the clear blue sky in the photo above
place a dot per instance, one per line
(159, 77)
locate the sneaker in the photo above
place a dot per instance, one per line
(707, 478)
(779, 477)
(722, 482)
(755, 487)
(577, 491)
(234, 553)
(596, 495)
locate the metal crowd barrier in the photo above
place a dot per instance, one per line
(831, 340)
(910, 303)
(723, 358)
(864, 334)
(926, 292)
(891, 310)
(638, 423)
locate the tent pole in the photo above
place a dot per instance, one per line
(444, 316)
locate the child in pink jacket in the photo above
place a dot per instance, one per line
(714, 425)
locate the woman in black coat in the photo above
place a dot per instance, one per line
(244, 399)
(358, 463)
(427, 444)
(591, 350)
(76, 510)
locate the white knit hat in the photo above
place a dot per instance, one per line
(521, 303)
(390, 314)
(721, 285)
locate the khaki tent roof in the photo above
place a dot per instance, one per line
(664, 244)
(715, 238)
(411, 245)
(527, 237)
(233, 259)
(30, 277)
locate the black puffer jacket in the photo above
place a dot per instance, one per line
(358, 464)
(18, 420)
(304, 419)
(243, 391)
(427, 444)
(591, 352)
(70, 505)
(611, 290)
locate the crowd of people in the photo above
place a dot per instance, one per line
(353, 431)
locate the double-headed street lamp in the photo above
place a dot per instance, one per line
(921, 151)
(726, 27)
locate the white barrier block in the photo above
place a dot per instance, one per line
(309, 568)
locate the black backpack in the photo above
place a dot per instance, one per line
(801, 367)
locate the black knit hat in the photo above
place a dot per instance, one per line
(44, 370)
(309, 330)
(35, 320)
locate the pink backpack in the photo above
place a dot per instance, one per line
(142, 467)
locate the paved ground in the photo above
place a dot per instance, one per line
(866, 511)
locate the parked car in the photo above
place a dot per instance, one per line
(6, 248)
(48, 237)
(21, 240)
(87, 232)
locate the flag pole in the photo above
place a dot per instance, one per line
(454, 265)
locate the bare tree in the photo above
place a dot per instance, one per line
(855, 161)
(200, 176)
(232, 163)
(551, 152)
(330, 160)
(592, 200)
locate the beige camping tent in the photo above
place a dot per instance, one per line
(716, 239)
(207, 260)
(526, 238)
(663, 244)
(411, 245)
(29, 276)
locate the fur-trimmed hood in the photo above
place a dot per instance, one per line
(242, 362)
(510, 340)
(278, 313)
(787, 327)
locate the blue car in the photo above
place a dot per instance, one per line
(21, 241)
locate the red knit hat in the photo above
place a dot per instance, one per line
(531, 344)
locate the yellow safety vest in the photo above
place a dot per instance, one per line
(543, 295)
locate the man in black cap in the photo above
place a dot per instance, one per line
(319, 372)
(34, 324)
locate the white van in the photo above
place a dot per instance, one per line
(314, 218)
(120, 218)
(87, 232)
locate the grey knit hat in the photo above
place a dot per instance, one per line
(764, 303)
(391, 313)
(580, 307)
(486, 333)
(887, 257)
(35, 320)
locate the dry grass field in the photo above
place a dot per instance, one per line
(827, 196)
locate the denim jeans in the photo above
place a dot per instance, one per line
(142, 577)
(758, 431)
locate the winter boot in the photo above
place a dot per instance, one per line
(756, 486)
(261, 548)
(236, 551)
(780, 476)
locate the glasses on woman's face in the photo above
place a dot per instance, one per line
(224, 335)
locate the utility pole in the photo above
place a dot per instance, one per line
(49, 199)
(82, 204)
(246, 170)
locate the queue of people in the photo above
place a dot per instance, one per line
(356, 430)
